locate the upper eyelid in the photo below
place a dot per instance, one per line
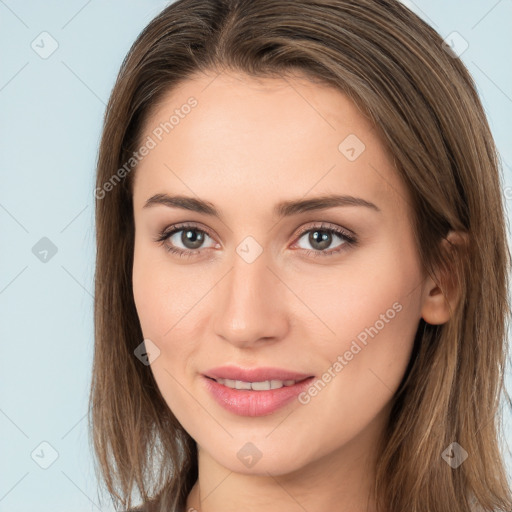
(327, 226)
(176, 228)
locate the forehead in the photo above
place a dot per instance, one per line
(265, 136)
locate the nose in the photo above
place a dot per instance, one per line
(250, 307)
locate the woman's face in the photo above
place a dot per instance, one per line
(272, 279)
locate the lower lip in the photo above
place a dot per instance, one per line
(254, 403)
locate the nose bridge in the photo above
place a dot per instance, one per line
(248, 305)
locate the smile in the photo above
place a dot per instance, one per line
(254, 398)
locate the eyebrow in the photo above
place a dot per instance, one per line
(282, 209)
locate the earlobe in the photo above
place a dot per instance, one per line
(441, 298)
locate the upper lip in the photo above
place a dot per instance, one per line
(260, 374)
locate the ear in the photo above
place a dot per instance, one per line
(440, 298)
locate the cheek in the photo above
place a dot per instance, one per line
(378, 317)
(162, 293)
(161, 300)
(374, 314)
(167, 297)
(359, 367)
(374, 294)
(149, 293)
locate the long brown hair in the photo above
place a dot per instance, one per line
(423, 101)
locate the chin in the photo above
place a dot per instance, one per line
(264, 461)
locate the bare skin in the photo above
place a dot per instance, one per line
(245, 147)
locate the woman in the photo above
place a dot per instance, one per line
(301, 291)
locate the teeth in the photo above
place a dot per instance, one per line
(240, 384)
(256, 386)
(276, 384)
(262, 386)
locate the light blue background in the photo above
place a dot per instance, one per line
(51, 114)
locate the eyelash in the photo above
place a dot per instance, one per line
(348, 239)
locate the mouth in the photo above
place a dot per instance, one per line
(255, 396)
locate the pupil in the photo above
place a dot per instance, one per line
(322, 238)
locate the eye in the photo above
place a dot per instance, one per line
(192, 238)
(189, 236)
(321, 237)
